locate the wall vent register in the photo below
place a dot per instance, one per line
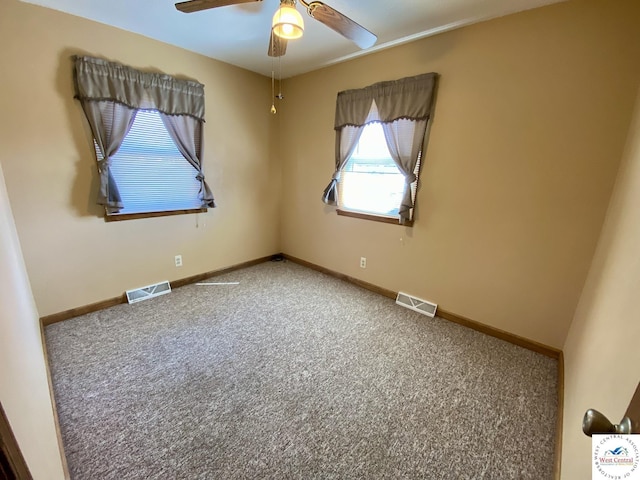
(150, 291)
(416, 304)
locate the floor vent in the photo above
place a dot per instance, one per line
(150, 291)
(416, 304)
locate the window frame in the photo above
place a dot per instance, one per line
(165, 213)
(373, 216)
(409, 99)
(110, 94)
(116, 216)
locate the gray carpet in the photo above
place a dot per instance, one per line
(293, 374)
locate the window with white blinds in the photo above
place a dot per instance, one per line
(151, 173)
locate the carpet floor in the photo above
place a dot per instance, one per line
(293, 374)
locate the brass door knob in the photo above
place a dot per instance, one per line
(595, 422)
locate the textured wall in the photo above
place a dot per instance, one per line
(529, 129)
(601, 355)
(73, 257)
(24, 391)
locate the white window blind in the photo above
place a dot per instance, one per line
(151, 173)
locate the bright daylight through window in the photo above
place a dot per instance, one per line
(370, 181)
(151, 173)
(381, 132)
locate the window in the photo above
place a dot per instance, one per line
(380, 135)
(147, 134)
(370, 182)
(151, 173)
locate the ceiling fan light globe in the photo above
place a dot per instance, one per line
(287, 29)
(288, 23)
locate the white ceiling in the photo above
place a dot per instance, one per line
(239, 34)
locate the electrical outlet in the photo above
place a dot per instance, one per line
(178, 260)
(363, 262)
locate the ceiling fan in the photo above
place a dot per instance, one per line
(285, 27)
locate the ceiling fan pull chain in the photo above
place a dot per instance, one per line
(279, 96)
(273, 81)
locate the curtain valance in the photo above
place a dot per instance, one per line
(408, 98)
(101, 80)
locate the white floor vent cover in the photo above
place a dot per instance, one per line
(150, 291)
(416, 304)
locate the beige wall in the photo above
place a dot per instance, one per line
(73, 257)
(602, 359)
(529, 128)
(24, 391)
(531, 121)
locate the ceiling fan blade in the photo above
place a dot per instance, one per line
(342, 24)
(197, 5)
(277, 46)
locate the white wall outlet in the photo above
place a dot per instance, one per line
(363, 262)
(178, 260)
